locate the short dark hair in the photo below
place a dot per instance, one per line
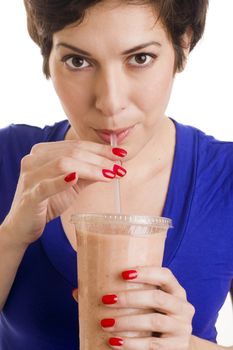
(45, 17)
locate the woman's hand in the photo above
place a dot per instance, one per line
(172, 317)
(51, 177)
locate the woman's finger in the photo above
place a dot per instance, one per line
(150, 343)
(61, 161)
(158, 276)
(75, 294)
(153, 322)
(64, 166)
(50, 187)
(74, 146)
(150, 299)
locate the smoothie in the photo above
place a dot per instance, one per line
(108, 245)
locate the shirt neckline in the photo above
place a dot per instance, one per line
(181, 188)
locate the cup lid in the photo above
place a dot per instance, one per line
(156, 221)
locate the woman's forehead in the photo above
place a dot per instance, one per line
(115, 21)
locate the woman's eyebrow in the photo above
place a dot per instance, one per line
(126, 52)
(141, 46)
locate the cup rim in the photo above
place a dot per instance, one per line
(130, 219)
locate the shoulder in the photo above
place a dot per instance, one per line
(215, 155)
(34, 134)
(19, 138)
(210, 164)
(212, 174)
(210, 151)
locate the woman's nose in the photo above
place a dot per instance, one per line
(111, 93)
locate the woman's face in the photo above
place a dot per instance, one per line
(114, 72)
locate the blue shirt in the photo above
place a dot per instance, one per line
(40, 312)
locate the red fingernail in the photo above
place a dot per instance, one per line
(129, 274)
(70, 177)
(109, 299)
(115, 341)
(118, 170)
(108, 174)
(120, 152)
(107, 322)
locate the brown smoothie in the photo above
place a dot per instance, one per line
(104, 251)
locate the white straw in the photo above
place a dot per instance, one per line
(117, 181)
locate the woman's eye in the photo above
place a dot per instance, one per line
(75, 62)
(142, 59)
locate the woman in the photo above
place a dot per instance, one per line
(112, 64)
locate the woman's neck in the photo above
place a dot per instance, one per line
(156, 156)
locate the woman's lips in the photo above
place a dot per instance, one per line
(121, 134)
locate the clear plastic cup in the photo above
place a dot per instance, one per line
(108, 244)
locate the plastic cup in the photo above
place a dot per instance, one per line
(108, 244)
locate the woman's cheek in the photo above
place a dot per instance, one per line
(154, 96)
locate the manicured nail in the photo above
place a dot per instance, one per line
(115, 341)
(118, 170)
(120, 152)
(107, 322)
(108, 174)
(70, 177)
(129, 274)
(109, 299)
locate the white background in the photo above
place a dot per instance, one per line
(202, 94)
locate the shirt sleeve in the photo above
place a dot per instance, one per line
(3, 141)
(15, 142)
